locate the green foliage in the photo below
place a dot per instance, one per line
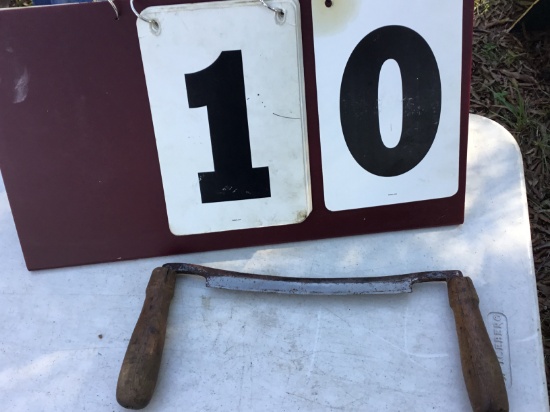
(517, 115)
(481, 7)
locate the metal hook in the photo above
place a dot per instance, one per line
(155, 27)
(150, 21)
(278, 11)
(113, 5)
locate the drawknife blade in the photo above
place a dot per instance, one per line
(224, 279)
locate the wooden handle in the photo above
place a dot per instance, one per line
(480, 366)
(141, 364)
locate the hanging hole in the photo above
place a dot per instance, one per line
(328, 3)
(155, 27)
(280, 16)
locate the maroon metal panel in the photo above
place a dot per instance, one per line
(78, 154)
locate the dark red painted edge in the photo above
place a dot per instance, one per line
(78, 156)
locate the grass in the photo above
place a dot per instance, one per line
(515, 113)
(481, 7)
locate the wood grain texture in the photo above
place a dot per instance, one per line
(141, 364)
(480, 366)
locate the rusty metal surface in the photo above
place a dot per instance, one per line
(224, 279)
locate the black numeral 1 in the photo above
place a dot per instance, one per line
(220, 87)
(421, 100)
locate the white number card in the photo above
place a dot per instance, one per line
(389, 77)
(226, 90)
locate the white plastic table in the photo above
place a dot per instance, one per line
(64, 332)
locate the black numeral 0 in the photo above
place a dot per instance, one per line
(421, 100)
(220, 87)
